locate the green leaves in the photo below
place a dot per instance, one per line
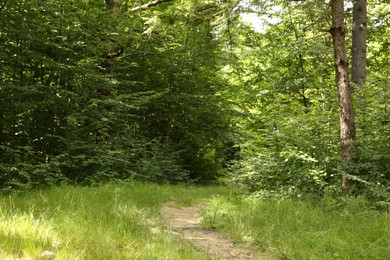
(85, 91)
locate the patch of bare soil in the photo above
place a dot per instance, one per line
(185, 221)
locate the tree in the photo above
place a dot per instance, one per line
(359, 35)
(96, 90)
(113, 5)
(346, 113)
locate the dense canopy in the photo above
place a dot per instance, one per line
(178, 91)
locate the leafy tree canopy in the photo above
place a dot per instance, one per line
(174, 91)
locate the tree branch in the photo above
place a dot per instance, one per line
(150, 4)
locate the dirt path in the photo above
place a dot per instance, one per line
(185, 221)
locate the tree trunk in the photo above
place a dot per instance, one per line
(347, 121)
(113, 5)
(1, 126)
(359, 34)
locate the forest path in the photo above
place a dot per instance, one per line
(185, 221)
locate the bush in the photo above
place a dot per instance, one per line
(161, 163)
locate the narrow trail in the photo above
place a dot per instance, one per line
(185, 221)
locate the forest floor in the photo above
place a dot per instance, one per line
(186, 222)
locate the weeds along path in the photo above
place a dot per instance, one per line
(185, 221)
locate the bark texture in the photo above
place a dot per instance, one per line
(347, 121)
(359, 49)
(113, 5)
(1, 126)
(150, 4)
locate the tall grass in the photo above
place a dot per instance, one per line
(121, 221)
(115, 221)
(300, 230)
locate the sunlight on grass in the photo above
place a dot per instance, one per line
(24, 235)
(298, 230)
(114, 221)
(121, 221)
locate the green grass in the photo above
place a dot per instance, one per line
(115, 221)
(121, 221)
(300, 230)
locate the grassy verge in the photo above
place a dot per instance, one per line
(115, 221)
(299, 230)
(121, 221)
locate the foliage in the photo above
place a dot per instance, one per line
(89, 95)
(186, 91)
(285, 99)
(161, 163)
